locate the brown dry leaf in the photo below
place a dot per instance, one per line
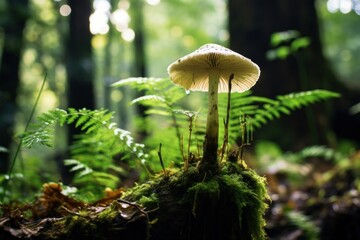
(52, 202)
(24, 230)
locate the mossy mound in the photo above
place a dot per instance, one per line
(192, 205)
(227, 204)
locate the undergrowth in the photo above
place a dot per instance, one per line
(95, 154)
(164, 102)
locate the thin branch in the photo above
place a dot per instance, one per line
(226, 121)
(161, 161)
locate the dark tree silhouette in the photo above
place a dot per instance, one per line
(139, 51)
(251, 24)
(79, 65)
(12, 24)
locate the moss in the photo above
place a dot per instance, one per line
(149, 202)
(107, 214)
(250, 204)
(210, 188)
(79, 227)
(192, 205)
(227, 204)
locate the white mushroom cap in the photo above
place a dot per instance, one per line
(192, 71)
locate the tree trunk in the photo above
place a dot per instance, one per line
(79, 64)
(251, 23)
(140, 57)
(13, 24)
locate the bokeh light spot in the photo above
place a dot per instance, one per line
(128, 35)
(65, 10)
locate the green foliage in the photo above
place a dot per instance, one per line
(163, 101)
(157, 91)
(96, 122)
(310, 230)
(161, 97)
(94, 152)
(261, 110)
(286, 43)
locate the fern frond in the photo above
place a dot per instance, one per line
(125, 136)
(37, 137)
(301, 99)
(149, 98)
(95, 122)
(162, 88)
(78, 167)
(262, 110)
(159, 112)
(139, 83)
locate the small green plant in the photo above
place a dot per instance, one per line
(163, 100)
(93, 152)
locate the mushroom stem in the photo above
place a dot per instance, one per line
(212, 122)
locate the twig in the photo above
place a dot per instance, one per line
(176, 125)
(191, 119)
(189, 141)
(161, 161)
(182, 148)
(246, 136)
(71, 212)
(226, 121)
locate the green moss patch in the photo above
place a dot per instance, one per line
(192, 205)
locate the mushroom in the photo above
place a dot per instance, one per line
(208, 69)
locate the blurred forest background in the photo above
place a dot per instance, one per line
(85, 46)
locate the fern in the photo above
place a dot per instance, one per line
(161, 96)
(155, 89)
(80, 168)
(89, 121)
(93, 151)
(261, 110)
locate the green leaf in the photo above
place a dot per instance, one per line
(147, 98)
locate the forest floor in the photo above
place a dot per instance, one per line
(324, 204)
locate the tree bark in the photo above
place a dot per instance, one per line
(13, 24)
